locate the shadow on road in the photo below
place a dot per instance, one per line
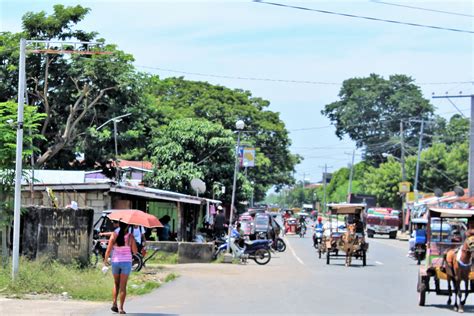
(151, 314)
(467, 308)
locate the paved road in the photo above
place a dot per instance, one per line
(297, 282)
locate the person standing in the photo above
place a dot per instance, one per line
(123, 245)
(219, 222)
(139, 235)
(164, 232)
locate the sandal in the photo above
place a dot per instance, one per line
(122, 312)
(114, 309)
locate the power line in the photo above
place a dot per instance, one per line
(297, 81)
(364, 17)
(422, 9)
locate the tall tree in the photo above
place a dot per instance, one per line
(195, 148)
(370, 110)
(74, 91)
(264, 129)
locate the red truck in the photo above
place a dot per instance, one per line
(382, 221)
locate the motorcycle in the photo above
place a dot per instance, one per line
(419, 252)
(258, 250)
(302, 230)
(317, 237)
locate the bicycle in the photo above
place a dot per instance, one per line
(143, 259)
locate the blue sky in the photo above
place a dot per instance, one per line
(246, 39)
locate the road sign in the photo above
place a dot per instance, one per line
(404, 187)
(247, 157)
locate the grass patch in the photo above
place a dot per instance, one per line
(52, 278)
(162, 257)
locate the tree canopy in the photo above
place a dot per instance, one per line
(73, 91)
(370, 111)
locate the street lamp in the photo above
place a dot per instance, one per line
(116, 120)
(251, 199)
(239, 125)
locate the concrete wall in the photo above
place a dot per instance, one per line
(98, 200)
(62, 234)
(188, 252)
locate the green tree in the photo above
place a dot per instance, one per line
(383, 183)
(31, 124)
(194, 148)
(74, 91)
(370, 110)
(179, 98)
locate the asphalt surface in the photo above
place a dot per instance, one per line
(297, 282)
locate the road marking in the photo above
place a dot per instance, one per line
(378, 262)
(293, 252)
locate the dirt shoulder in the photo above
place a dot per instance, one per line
(50, 304)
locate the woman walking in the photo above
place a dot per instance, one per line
(123, 244)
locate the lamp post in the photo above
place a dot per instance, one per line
(115, 120)
(251, 199)
(239, 125)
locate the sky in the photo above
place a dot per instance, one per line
(228, 42)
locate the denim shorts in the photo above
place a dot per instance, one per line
(121, 268)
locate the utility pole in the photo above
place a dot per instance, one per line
(349, 191)
(324, 186)
(420, 143)
(19, 132)
(404, 175)
(471, 140)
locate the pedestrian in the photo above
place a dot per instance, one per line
(123, 245)
(164, 232)
(139, 235)
(219, 221)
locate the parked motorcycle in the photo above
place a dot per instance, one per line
(258, 250)
(279, 245)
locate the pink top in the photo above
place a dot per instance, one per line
(122, 253)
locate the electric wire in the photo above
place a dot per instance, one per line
(421, 9)
(364, 17)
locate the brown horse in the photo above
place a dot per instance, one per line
(458, 264)
(349, 241)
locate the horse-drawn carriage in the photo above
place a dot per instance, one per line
(446, 258)
(350, 241)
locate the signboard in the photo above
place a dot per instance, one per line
(247, 156)
(411, 196)
(327, 177)
(404, 187)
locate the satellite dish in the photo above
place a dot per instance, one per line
(198, 185)
(459, 191)
(438, 192)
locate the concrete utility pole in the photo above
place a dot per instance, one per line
(19, 131)
(471, 140)
(324, 186)
(349, 190)
(420, 143)
(404, 175)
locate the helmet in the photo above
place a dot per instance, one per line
(320, 219)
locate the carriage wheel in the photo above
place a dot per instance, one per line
(364, 258)
(422, 296)
(327, 257)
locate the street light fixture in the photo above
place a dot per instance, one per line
(239, 125)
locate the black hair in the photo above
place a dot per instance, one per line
(121, 235)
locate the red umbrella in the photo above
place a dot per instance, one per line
(135, 217)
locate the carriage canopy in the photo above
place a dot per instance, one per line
(346, 208)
